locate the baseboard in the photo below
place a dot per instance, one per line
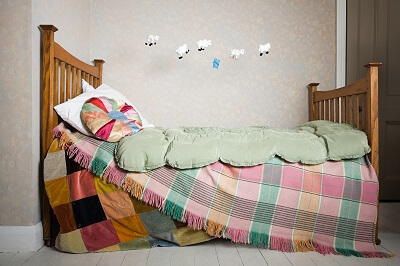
(21, 238)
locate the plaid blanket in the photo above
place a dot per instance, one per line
(97, 216)
(328, 208)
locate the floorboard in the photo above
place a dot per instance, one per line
(218, 252)
(273, 257)
(299, 258)
(206, 254)
(227, 253)
(136, 257)
(250, 255)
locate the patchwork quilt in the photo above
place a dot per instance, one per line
(328, 208)
(98, 216)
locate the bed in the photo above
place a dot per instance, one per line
(62, 73)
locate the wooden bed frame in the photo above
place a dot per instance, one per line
(356, 103)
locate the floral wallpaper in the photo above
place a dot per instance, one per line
(20, 95)
(254, 90)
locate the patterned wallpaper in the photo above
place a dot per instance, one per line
(268, 90)
(16, 193)
(169, 92)
(20, 95)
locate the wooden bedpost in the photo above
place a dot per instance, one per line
(312, 105)
(372, 129)
(99, 63)
(48, 118)
(49, 97)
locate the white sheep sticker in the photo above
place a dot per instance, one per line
(264, 48)
(152, 39)
(201, 44)
(236, 53)
(182, 50)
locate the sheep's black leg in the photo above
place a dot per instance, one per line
(187, 51)
(145, 43)
(150, 44)
(261, 54)
(267, 52)
(180, 57)
(199, 49)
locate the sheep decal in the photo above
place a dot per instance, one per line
(201, 44)
(152, 39)
(182, 50)
(236, 53)
(264, 48)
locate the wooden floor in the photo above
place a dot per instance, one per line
(219, 252)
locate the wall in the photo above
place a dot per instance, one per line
(16, 186)
(20, 95)
(170, 92)
(72, 19)
(254, 90)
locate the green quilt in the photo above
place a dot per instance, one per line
(189, 147)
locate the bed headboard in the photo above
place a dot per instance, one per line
(355, 104)
(62, 75)
(61, 80)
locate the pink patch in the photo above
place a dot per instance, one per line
(254, 173)
(333, 168)
(216, 166)
(230, 170)
(81, 184)
(292, 177)
(105, 131)
(332, 186)
(370, 192)
(329, 206)
(99, 235)
(288, 198)
(106, 103)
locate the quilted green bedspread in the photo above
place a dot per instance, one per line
(190, 147)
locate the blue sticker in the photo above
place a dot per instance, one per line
(216, 63)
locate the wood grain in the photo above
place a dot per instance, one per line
(358, 87)
(53, 84)
(49, 119)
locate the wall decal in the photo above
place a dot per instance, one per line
(182, 50)
(216, 63)
(152, 39)
(236, 53)
(264, 48)
(201, 44)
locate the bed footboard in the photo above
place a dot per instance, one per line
(355, 104)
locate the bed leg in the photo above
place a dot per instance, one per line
(377, 241)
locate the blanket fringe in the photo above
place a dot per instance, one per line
(80, 157)
(216, 229)
(112, 175)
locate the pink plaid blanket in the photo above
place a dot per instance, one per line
(328, 208)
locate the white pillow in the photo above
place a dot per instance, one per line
(70, 111)
(86, 87)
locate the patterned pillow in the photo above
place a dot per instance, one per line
(110, 119)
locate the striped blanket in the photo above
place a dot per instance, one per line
(328, 208)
